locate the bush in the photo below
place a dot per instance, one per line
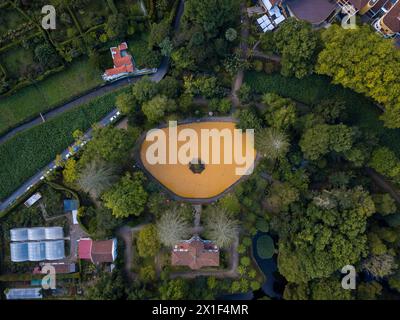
(265, 247)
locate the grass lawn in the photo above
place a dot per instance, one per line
(28, 102)
(10, 19)
(94, 9)
(362, 112)
(16, 60)
(29, 151)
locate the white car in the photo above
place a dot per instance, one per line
(42, 178)
(54, 167)
(118, 113)
(29, 187)
(67, 155)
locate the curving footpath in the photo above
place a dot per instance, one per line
(107, 120)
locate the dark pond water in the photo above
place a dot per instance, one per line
(269, 268)
(272, 286)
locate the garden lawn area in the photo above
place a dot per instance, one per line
(361, 111)
(28, 102)
(29, 151)
(138, 48)
(89, 17)
(10, 19)
(16, 60)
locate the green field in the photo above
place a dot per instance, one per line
(28, 102)
(361, 111)
(29, 151)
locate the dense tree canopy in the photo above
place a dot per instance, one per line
(296, 42)
(127, 197)
(325, 236)
(364, 61)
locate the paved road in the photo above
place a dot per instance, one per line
(108, 119)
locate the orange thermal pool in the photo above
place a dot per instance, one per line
(197, 173)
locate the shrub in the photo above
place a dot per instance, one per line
(265, 247)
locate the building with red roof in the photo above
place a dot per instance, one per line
(195, 253)
(389, 23)
(97, 251)
(123, 63)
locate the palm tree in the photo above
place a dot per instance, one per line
(97, 177)
(172, 227)
(221, 227)
(272, 143)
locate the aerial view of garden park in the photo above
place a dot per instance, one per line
(226, 150)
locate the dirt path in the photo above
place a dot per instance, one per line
(126, 233)
(238, 81)
(384, 184)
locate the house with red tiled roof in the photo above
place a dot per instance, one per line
(195, 253)
(97, 251)
(389, 23)
(123, 63)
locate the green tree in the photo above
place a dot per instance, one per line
(280, 112)
(174, 290)
(125, 103)
(369, 291)
(158, 33)
(323, 138)
(230, 203)
(384, 204)
(70, 172)
(231, 34)
(320, 239)
(167, 47)
(127, 197)
(47, 56)
(368, 58)
(147, 274)
(156, 108)
(116, 26)
(296, 41)
(248, 120)
(172, 227)
(109, 144)
(385, 162)
(109, 286)
(329, 289)
(220, 227)
(96, 177)
(147, 242)
(380, 266)
(271, 143)
(294, 291)
(144, 90)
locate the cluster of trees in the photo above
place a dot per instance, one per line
(369, 66)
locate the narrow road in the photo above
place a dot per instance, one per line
(158, 76)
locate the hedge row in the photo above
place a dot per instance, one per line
(361, 112)
(29, 151)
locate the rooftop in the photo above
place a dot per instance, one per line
(315, 12)
(97, 251)
(195, 253)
